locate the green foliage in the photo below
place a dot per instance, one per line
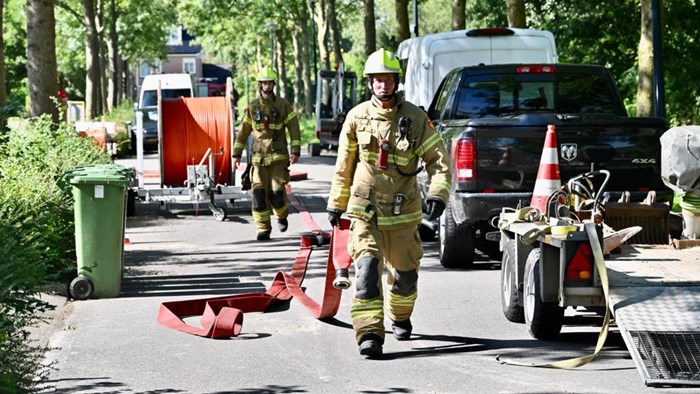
(36, 221)
(21, 275)
(123, 113)
(308, 130)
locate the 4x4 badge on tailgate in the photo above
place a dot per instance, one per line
(568, 151)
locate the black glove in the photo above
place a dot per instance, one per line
(435, 208)
(334, 218)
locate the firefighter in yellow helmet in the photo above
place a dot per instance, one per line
(382, 144)
(267, 119)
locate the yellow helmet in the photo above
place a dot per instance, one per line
(382, 62)
(266, 74)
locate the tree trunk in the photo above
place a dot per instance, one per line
(334, 31)
(3, 73)
(370, 28)
(403, 31)
(93, 82)
(645, 100)
(42, 74)
(459, 20)
(321, 33)
(307, 58)
(515, 10)
(281, 49)
(298, 69)
(114, 89)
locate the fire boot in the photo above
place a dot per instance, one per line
(263, 236)
(341, 281)
(402, 329)
(283, 224)
(371, 346)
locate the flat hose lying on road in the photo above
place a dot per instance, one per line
(222, 317)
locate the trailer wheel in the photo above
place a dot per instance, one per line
(219, 214)
(543, 319)
(511, 298)
(81, 288)
(456, 242)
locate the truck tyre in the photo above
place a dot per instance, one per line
(456, 242)
(511, 297)
(543, 319)
(315, 149)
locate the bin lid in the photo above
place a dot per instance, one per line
(99, 174)
(100, 179)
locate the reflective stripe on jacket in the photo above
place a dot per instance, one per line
(267, 120)
(363, 190)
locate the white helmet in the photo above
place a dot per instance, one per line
(382, 62)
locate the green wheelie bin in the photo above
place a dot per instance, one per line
(99, 192)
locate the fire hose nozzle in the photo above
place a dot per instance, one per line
(342, 280)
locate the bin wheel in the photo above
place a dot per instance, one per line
(81, 288)
(219, 214)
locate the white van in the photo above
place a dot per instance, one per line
(427, 59)
(171, 86)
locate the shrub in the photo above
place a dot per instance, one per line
(37, 225)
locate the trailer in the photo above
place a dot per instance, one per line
(195, 139)
(556, 260)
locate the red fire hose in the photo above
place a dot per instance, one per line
(222, 317)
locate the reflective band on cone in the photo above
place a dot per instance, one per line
(548, 178)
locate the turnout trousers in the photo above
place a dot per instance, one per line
(269, 194)
(400, 250)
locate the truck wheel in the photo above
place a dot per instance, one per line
(315, 149)
(511, 298)
(543, 319)
(456, 242)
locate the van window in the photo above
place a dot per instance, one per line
(150, 97)
(507, 95)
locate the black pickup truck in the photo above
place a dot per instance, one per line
(493, 120)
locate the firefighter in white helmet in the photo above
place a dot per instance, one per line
(267, 119)
(382, 144)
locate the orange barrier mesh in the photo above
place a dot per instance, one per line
(190, 127)
(99, 136)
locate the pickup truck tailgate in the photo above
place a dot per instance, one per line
(508, 157)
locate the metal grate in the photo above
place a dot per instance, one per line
(670, 355)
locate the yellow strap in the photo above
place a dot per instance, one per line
(580, 361)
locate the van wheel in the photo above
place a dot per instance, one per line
(543, 319)
(456, 242)
(511, 298)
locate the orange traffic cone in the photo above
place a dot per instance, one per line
(548, 178)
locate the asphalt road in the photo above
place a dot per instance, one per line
(178, 251)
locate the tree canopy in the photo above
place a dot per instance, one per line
(305, 35)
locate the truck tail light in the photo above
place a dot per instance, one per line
(536, 69)
(464, 157)
(580, 267)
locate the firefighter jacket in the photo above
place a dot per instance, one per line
(363, 190)
(267, 120)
